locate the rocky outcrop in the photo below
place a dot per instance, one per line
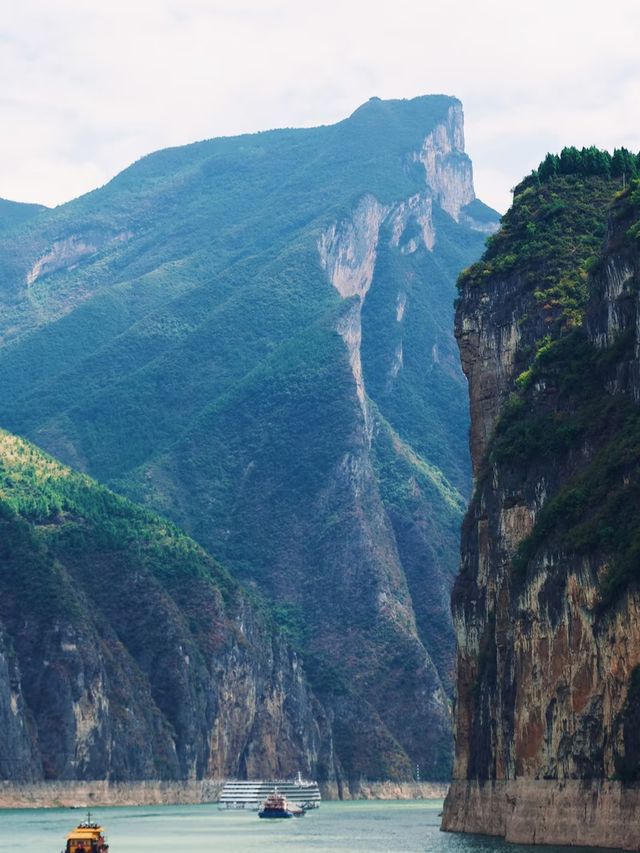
(268, 361)
(533, 811)
(348, 255)
(67, 253)
(614, 310)
(114, 669)
(63, 253)
(547, 628)
(349, 252)
(348, 249)
(19, 757)
(448, 170)
(489, 335)
(417, 210)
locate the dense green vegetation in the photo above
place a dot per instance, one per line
(422, 403)
(562, 415)
(550, 236)
(59, 514)
(587, 162)
(13, 213)
(178, 340)
(108, 607)
(594, 510)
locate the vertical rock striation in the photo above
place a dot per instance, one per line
(448, 170)
(126, 654)
(252, 336)
(546, 606)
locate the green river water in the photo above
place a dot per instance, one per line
(348, 827)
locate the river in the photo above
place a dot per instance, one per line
(337, 827)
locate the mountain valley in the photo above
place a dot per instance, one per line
(252, 336)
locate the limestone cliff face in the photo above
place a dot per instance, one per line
(111, 670)
(253, 336)
(547, 628)
(373, 550)
(20, 759)
(488, 333)
(348, 249)
(87, 705)
(448, 169)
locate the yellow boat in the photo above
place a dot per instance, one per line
(87, 837)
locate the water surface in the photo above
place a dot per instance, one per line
(350, 827)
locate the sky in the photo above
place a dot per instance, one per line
(89, 87)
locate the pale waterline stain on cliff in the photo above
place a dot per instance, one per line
(543, 673)
(155, 792)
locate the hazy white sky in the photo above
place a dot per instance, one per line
(88, 86)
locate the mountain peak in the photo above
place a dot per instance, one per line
(423, 107)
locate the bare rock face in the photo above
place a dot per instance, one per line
(548, 659)
(448, 169)
(67, 253)
(419, 208)
(20, 755)
(488, 335)
(87, 705)
(348, 249)
(108, 671)
(349, 253)
(252, 336)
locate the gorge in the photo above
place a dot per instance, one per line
(252, 337)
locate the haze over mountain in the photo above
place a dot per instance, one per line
(253, 337)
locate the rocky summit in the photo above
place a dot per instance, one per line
(546, 606)
(253, 337)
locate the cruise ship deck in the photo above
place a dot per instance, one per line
(251, 794)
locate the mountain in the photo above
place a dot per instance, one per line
(127, 652)
(253, 336)
(14, 213)
(547, 602)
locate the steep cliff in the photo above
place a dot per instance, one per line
(126, 652)
(253, 336)
(546, 605)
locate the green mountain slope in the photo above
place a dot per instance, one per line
(252, 335)
(14, 213)
(126, 651)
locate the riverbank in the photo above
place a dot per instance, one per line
(104, 793)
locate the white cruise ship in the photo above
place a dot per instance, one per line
(251, 795)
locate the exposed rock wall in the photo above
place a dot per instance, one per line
(97, 705)
(111, 671)
(534, 811)
(448, 169)
(253, 337)
(546, 661)
(349, 252)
